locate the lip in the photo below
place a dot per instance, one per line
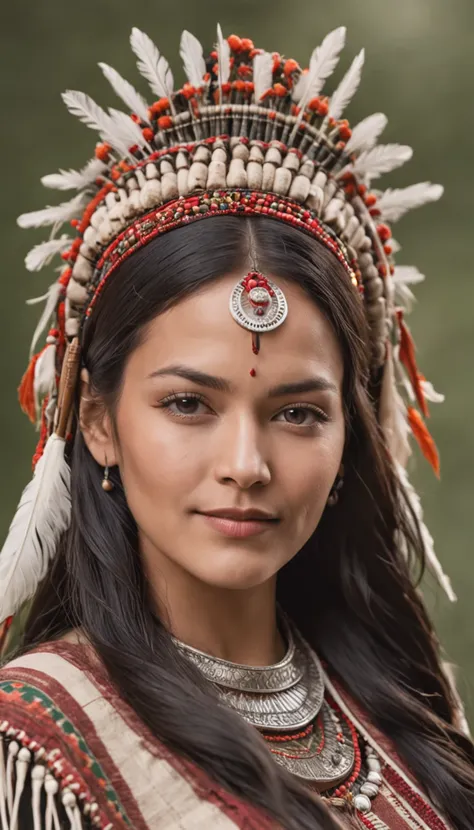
(239, 523)
(240, 514)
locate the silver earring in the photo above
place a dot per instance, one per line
(333, 497)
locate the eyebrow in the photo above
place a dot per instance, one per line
(311, 384)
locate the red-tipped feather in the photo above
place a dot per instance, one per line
(26, 389)
(408, 358)
(425, 440)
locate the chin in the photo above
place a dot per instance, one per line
(238, 571)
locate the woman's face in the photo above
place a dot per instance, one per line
(227, 474)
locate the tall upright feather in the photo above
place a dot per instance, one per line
(347, 88)
(322, 64)
(366, 133)
(381, 159)
(223, 60)
(153, 66)
(127, 131)
(193, 59)
(393, 204)
(129, 95)
(41, 517)
(91, 114)
(75, 179)
(262, 74)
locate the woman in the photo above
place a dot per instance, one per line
(225, 630)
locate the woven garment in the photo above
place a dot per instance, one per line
(102, 768)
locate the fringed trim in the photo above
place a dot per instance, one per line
(30, 787)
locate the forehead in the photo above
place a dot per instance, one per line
(200, 331)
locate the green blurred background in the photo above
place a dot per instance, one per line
(419, 70)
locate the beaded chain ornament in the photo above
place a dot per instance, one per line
(249, 133)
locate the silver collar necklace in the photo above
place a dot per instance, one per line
(285, 702)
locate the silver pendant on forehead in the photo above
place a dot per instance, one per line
(257, 304)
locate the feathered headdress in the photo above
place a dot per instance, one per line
(249, 132)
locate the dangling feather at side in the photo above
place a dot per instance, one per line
(52, 299)
(392, 414)
(402, 278)
(153, 66)
(381, 159)
(42, 254)
(262, 74)
(41, 517)
(347, 88)
(76, 179)
(223, 60)
(431, 558)
(54, 215)
(193, 59)
(126, 92)
(393, 204)
(322, 64)
(366, 133)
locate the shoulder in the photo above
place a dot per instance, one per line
(50, 701)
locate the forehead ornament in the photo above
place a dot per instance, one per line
(258, 305)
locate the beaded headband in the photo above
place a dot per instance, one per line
(249, 133)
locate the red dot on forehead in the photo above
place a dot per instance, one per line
(252, 373)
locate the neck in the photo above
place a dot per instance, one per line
(235, 625)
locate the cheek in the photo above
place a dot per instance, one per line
(154, 464)
(306, 472)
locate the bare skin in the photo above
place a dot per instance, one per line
(185, 450)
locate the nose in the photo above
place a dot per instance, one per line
(240, 456)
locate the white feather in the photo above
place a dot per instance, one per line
(395, 246)
(45, 374)
(403, 277)
(404, 297)
(393, 204)
(126, 92)
(75, 179)
(381, 159)
(52, 298)
(41, 517)
(193, 59)
(430, 392)
(262, 74)
(322, 64)
(153, 66)
(54, 215)
(366, 133)
(126, 131)
(223, 59)
(431, 558)
(347, 88)
(407, 275)
(42, 254)
(90, 113)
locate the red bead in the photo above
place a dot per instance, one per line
(252, 372)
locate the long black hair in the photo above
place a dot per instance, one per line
(349, 590)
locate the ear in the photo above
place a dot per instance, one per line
(96, 425)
